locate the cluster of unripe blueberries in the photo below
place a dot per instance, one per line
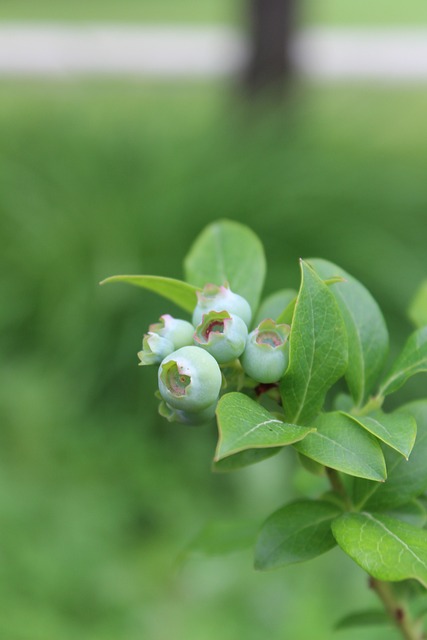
(190, 355)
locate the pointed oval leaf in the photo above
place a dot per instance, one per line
(274, 305)
(398, 429)
(227, 251)
(341, 444)
(244, 424)
(298, 531)
(406, 478)
(177, 291)
(411, 361)
(317, 349)
(366, 330)
(386, 548)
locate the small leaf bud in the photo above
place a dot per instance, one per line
(214, 298)
(189, 379)
(222, 334)
(266, 357)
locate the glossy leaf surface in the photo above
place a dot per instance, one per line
(398, 429)
(341, 444)
(366, 330)
(317, 349)
(244, 424)
(384, 547)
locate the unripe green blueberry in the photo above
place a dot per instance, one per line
(164, 337)
(214, 298)
(189, 379)
(179, 332)
(266, 356)
(186, 417)
(222, 334)
(154, 348)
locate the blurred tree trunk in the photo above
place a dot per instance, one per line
(271, 26)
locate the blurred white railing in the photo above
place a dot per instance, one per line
(163, 51)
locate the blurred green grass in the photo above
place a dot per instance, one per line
(329, 12)
(98, 495)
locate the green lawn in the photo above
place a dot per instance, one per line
(98, 496)
(334, 12)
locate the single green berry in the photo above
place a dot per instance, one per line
(179, 332)
(189, 379)
(222, 334)
(214, 298)
(185, 417)
(154, 348)
(266, 355)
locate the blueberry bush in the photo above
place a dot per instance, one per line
(304, 369)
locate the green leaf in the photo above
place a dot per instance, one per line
(298, 531)
(406, 479)
(177, 291)
(287, 314)
(398, 430)
(412, 512)
(368, 618)
(244, 424)
(417, 311)
(274, 305)
(366, 330)
(244, 459)
(227, 251)
(386, 548)
(317, 350)
(219, 538)
(341, 444)
(411, 361)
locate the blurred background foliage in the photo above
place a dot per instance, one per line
(100, 497)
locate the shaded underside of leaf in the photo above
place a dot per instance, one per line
(341, 444)
(177, 291)
(387, 549)
(366, 330)
(298, 531)
(227, 251)
(244, 424)
(317, 349)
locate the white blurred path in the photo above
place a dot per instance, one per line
(59, 50)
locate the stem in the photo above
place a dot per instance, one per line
(373, 404)
(338, 486)
(397, 612)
